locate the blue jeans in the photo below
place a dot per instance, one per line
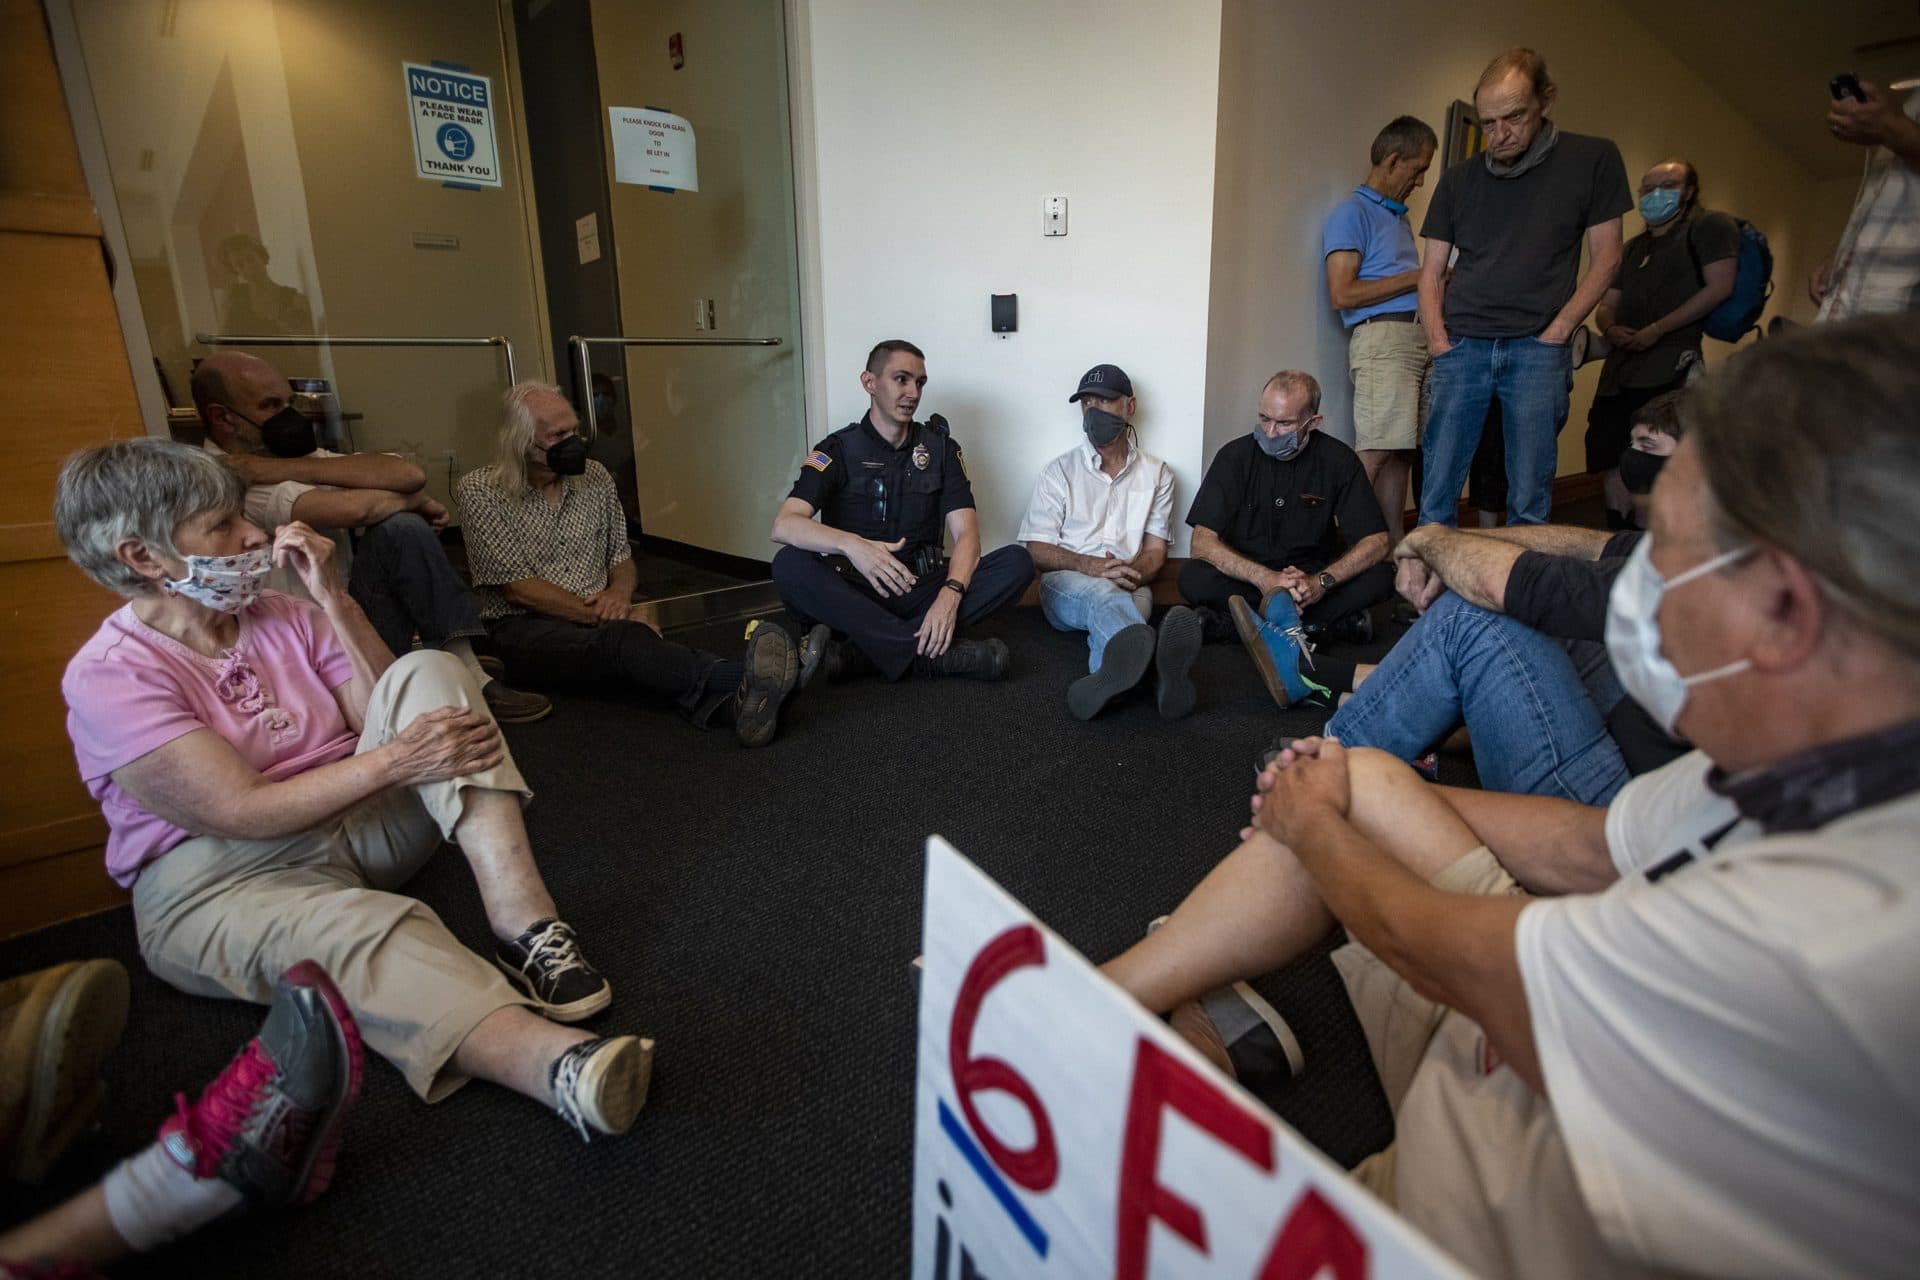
(1081, 602)
(1531, 379)
(1536, 727)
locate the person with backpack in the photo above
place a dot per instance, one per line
(1671, 276)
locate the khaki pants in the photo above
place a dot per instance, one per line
(220, 917)
(1398, 1021)
(1387, 363)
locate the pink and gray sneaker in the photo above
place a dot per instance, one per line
(269, 1125)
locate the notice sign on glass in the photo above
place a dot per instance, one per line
(653, 149)
(452, 113)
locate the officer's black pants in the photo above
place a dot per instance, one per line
(555, 654)
(1202, 584)
(829, 589)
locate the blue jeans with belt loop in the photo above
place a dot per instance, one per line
(1532, 380)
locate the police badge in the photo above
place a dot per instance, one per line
(921, 457)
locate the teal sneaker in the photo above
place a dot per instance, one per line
(1278, 646)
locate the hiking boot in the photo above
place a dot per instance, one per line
(269, 1125)
(515, 706)
(1277, 648)
(814, 648)
(1122, 666)
(972, 659)
(1215, 626)
(1181, 633)
(57, 1028)
(600, 1085)
(772, 669)
(545, 962)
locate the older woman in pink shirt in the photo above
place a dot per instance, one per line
(270, 774)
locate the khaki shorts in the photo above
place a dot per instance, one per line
(1387, 363)
(1398, 1021)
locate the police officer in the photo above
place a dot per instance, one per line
(888, 490)
(1285, 521)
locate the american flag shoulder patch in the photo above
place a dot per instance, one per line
(818, 460)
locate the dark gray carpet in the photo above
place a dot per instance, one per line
(756, 912)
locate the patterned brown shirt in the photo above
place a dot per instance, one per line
(574, 544)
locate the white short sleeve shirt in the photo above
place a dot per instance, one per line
(1078, 506)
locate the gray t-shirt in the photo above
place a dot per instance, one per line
(1519, 238)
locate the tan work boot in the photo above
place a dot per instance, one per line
(57, 1027)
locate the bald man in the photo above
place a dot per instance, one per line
(398, 573)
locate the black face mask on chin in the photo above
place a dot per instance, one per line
(288, 434)
(1102, 428)
(1638, 470)
(568, 457)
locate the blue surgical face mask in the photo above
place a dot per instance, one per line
(1660, 204)
(1280, 447)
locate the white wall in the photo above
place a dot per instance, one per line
(1303, 90)
(936, 131)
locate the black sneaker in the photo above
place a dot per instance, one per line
(600, 1085)
(772, 669)
(971, 659)
(1215, 626)
(1122, 666)
(1181, 634)
(545, 962)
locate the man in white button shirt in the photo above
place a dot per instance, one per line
(1677, 1034)
(1097, 529)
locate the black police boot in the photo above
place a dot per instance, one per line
(1215, 626)
(822, 658)
(815, 647)
(972, 659)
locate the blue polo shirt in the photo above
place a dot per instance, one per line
(1363, 224)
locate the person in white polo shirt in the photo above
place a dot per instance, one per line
(1676, 1034)
(1097, 530)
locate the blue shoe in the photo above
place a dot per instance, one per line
(1277, 646)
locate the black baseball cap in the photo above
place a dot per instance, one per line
(1104, 380)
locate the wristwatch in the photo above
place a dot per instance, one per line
(1326, 581)
(956, 586)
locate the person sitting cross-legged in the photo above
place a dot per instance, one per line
(1097, 530)
(1671, 1035)
(271, 775)
(548, 549)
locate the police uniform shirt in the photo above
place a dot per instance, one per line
(1302, 512)
(860, 483)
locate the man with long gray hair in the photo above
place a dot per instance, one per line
(547, 547)
(1675, 1033)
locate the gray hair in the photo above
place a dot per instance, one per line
(140, 489)
(1808, 444)
(517, 430)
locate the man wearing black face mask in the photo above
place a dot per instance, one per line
(398, 573)
(1097, 530)
(1288, 536)
(547, 544)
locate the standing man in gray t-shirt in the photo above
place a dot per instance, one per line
(1497, 327)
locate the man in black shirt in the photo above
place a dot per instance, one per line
(1511, 642)
(1285, 521)
(1498, 324)
(888, 491)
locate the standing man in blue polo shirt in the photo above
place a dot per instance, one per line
(1373, 275)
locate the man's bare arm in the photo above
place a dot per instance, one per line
(1348, 290)
(1603, 262)
(1209, 546)
(1474, 568)
(1050, 558)
(537, 595)
(1551, 846)
(1552, 539)
(351, 508)
(1433, 288)
(353, 471)
(1360, 557)
(1151, 558)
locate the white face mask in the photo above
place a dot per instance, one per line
(229, 584)
(1633, 634)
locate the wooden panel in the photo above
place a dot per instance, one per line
(36, 135)
(54, 889)
(53, 608)
(63, 364)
